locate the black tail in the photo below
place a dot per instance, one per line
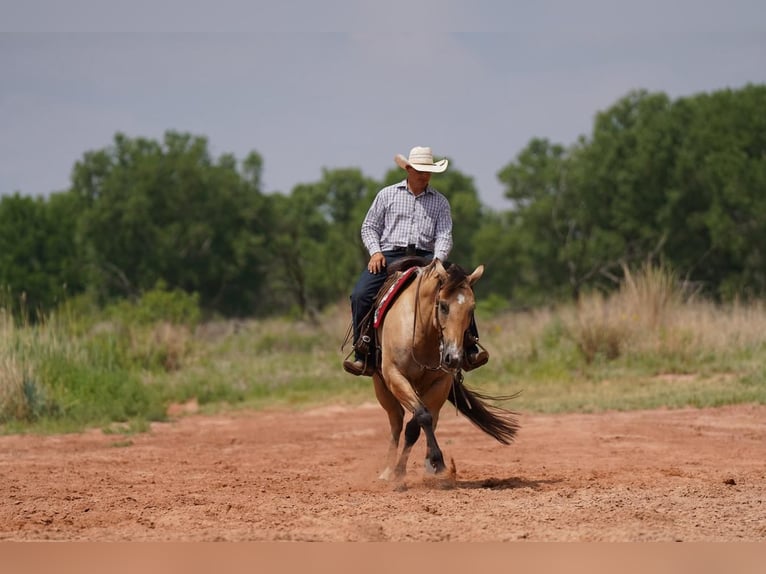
(499, 423)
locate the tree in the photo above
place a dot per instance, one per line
(682, 182)
(528, 239)
(618, 182)
(316, 238)
(169, 212)
(716, 213)
(38, 261)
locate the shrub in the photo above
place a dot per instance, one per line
(638, 314)
(157, 329)
(159, 305)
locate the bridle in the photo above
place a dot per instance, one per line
(439, 326)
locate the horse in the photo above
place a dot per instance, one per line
(420, 341)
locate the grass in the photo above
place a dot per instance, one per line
(648, 345)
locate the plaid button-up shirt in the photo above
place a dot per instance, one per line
(398, 218)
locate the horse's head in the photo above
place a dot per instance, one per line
(455, 304)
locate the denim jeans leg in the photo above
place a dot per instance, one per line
(363, 296)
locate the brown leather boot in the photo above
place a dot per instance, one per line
(474, 358)
(359, 367)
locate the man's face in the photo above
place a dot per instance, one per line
(418, 180)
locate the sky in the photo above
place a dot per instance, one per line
(329, 84)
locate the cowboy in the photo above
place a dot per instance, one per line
(407, 218)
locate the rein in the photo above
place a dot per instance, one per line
(440, 366)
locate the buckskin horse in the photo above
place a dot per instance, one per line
(420, 340)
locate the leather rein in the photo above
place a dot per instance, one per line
(440, 366)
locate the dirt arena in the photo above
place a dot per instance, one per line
(665, 475)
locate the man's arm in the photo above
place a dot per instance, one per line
(372, 227)
(443, 240)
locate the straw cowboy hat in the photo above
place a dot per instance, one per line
(421, 159)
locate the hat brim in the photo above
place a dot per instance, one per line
(437, 167)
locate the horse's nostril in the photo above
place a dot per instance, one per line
(450, 360)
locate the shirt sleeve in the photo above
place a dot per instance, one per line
(372, 226)
(443, 241)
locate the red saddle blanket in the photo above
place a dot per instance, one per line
(391, 293)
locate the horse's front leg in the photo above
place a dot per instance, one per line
(434, 454)
(433, 400)
(395, 413)
(395, 388)
(411, 434)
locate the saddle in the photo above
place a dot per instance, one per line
(399, 274)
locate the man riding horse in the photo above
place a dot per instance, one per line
(405, 219)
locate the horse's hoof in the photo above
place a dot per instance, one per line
(386, 474)
(449, 478)
(446, 479)
(434, 469)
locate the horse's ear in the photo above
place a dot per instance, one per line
(476, 275)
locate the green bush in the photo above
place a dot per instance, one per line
(50, 374)
(88, 394)
(491, 305)
(159, 305)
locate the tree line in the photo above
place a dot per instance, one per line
(679, 182)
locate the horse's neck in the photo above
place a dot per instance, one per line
(424, 298)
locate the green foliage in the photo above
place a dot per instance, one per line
(673, 352)
(94, 394)
(679, 182)
(158, 305)
(104, 287)
(717, 205)
(525, 243)
(315, 242)
(38, 265)
(490, 306)
(170, 212)
(52, 376)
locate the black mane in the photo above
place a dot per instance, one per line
(456, 275)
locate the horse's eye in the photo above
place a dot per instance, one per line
(443, 307)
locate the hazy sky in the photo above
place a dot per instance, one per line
(331, 84)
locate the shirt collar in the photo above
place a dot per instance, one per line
(403, 185)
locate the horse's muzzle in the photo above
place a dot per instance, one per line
(452, 357)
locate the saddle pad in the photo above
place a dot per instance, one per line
(391, 294)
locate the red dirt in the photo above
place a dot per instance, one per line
(665, 475)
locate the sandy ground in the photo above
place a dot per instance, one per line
(665, 475)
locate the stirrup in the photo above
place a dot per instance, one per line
(362, 346)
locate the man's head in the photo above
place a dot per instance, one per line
(420, 165)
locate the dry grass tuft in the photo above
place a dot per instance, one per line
(13, 403)
(650, 314)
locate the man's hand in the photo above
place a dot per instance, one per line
(377, 263)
